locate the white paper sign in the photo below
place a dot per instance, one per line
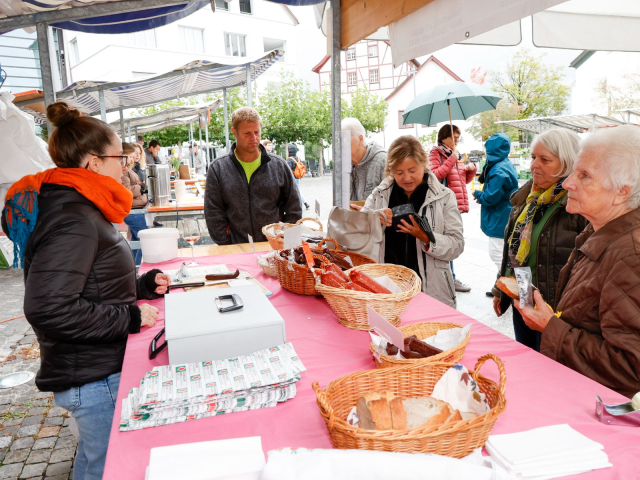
(317, 209)
(385, 329)
(292, 237)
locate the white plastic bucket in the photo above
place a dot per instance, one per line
(159, 244)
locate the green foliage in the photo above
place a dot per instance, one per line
(537, 89)
(483, 124)
(428, 140)
(367, 107)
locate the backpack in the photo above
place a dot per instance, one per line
(300, 170)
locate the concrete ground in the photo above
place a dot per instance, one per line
(35, 439)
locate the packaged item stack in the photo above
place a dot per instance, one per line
(177, 393)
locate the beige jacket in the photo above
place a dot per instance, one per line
(131, 181)
(441, 210)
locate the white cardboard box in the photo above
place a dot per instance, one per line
(196, 331)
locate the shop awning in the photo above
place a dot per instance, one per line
(195, 78)
(577, 123)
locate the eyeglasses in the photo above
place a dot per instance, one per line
(123, 158)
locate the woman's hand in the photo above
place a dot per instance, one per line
(536, 319)
(496, 306)
(386, 217)
(163, 281)
(413, 229)
(355, 207)
(149, 315)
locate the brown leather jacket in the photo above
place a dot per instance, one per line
(598, 294)
(555, 244)
(130, 180)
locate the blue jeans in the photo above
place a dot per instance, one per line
(92, 406)
(452, 272)
(300, 192)
(136, 223)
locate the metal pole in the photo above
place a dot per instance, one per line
(191, 143)
(122, 125)
(249, 102)
(103, 108)
(42, 31)
(226, 120)
(135, 132)
(129, 132)
(62, 58)
(199, 137)
(336, 101)
(206, 136)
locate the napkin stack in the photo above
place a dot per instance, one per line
(547, 452)
(177, 393)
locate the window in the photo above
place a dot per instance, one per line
(373, 50)
(352, 78)
(191, 39)
(351, 54)
(234, 45)
(245, 6)
(75, 54)
(272, 44)
(400, 125)
(222, 5)
(374, 76)
(143, 39)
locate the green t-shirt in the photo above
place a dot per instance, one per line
(250, 167)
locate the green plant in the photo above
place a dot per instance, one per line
(175, 163)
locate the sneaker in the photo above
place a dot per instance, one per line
(490, 294)
(306, 205)
(461, 287)
(157, 224)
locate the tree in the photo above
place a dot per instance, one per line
(537, 89)
(624, 94)
(483, 124)
(369, 108)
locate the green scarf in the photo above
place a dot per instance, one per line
(538, 200)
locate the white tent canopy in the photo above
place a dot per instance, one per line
(577, 123)
(166, 116)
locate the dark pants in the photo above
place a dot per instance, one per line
(452, 272)
(136, 223)
(524, 335)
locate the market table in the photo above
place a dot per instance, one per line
(539, 391)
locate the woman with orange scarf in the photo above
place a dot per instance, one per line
(80, 281)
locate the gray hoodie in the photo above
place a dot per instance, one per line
(234, 207)
(368, 174)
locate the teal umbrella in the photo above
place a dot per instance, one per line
(455, 100)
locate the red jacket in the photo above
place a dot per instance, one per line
(456, 174)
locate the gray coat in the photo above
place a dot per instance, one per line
(234, 207)
(441, 209)
(368, 174)
(150, 157)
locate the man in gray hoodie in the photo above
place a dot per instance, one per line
(248, 188)
(368, 161)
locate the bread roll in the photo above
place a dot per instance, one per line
(426, 412)
(509, 285)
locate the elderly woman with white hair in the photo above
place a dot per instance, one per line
(596, 330)
(367, 159)
(541, 233)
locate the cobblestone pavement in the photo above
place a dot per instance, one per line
(35, 439)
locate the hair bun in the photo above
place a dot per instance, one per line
(60, 113)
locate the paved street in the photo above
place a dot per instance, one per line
(35, 439)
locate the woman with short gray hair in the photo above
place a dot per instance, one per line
(541, 233)
(596, 330)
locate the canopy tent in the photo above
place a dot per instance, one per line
(175, 113)
(154, 127)
(194, 78)
(577, 123)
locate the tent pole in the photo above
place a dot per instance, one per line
(226, 120)
(191, 143)
(206, 138)
(249, 99)
(129, 131)
(122, 125)
(336, 101)
(135, 132)
(42, 30)
(199, 135)
(103, 110)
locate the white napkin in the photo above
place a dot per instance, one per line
(236, 458)
(448, 338)
(547, 452)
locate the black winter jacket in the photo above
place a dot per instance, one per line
(556, 242)
(234, 207)
(80, 290)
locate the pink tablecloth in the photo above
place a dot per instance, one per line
(539, 391)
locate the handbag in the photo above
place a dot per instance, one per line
(358, 232)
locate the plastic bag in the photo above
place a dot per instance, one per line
(525, 285)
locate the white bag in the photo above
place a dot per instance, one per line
(359, 232)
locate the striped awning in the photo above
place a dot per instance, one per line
(167, 123)
(171, 114)
(195, 78)
(577, 123)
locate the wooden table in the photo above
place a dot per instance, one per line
(212, 250)
(186, 207)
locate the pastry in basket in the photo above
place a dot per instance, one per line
(413, 348)
(509, 285)
(386, 411)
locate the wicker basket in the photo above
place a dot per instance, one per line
(267, 268)
(297, 278)
(357, 259)
(424, 330)
(277, 241)
(351, 306)
(454, 440)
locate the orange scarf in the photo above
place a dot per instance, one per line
(21, 203)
